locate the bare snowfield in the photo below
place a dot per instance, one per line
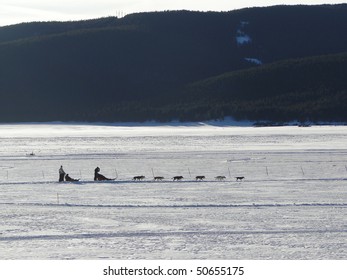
(292, 203)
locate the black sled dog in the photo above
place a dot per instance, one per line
(138, 178)
(199, 178)
(177, 178)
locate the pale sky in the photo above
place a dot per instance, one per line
(17, 11)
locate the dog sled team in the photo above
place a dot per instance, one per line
(180, 178)
(97, 176)
(63, 176)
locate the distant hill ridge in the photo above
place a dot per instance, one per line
(277, 63)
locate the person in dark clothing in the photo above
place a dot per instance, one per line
(96, 173)
(61, 174)
(100, 177)
(69, 179)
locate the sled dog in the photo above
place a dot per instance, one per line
(220, 178)
(177, 178)
(158, 178)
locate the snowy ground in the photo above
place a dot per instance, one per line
(292, 203)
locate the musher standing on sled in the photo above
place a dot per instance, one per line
(61, 174)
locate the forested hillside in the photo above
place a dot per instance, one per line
(306, 89)
(277, 63)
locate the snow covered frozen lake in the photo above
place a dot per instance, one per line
(292, 203)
